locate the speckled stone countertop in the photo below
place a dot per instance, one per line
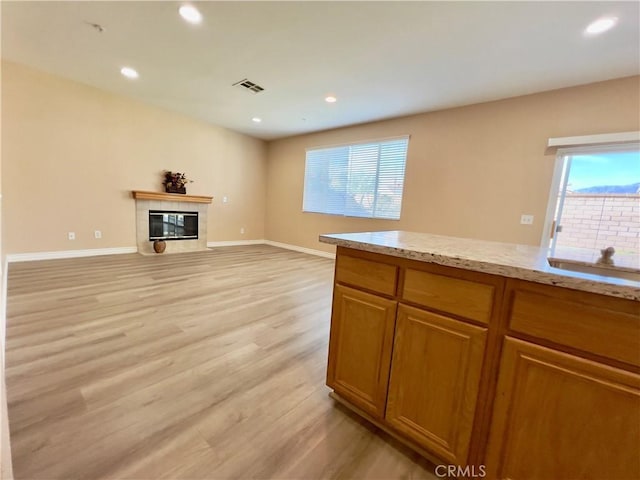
(509, 260)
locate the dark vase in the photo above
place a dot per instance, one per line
(172, 189)
(159, 246)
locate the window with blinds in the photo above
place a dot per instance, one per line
(359, 180)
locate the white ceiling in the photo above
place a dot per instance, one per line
(381, 59)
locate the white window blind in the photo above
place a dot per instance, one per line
(360, 180)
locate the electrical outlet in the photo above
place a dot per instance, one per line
(72, 235)
(97, 234)
(242, 231)
(225, 199)
(526, 219)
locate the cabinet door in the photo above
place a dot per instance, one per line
(435, 375)
(561, 416)
(360, 348)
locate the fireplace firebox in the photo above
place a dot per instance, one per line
(172, 225)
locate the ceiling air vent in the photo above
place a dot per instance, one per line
(249, 86)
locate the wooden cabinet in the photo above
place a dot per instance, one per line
(557, 415)
(567, 403)
(429, 399)
(533, 381)
(360, 348)
(434, 381)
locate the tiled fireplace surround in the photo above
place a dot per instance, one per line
(146, 201)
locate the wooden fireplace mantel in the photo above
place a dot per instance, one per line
(170, 197)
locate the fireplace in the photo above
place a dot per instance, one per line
(171, 216)
(173, 225)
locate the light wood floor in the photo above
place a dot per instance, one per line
(197, 366)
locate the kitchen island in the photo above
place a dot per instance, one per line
(481, 355)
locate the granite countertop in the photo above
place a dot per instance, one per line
(507, 259)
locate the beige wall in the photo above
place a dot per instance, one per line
(71, 154)
(70, 150)
(6, 471)
(471, 171)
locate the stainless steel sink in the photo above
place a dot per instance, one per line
(595, 269)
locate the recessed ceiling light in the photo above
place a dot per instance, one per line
(190, 13)
(256, 119)
(330, 99)
(129, 72)
(600, 25)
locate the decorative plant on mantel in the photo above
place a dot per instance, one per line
(175, 182)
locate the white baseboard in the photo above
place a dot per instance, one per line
(296, 248)
(29, 257)
(235, 243)
(92, 252)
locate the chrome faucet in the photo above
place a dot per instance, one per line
(606, 256)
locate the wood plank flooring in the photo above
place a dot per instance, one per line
(207, 365)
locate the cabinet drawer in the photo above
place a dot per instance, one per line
(453, 295)
(375, 276)
(601, 325)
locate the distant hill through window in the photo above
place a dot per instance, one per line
(619, 189)
(602, 169)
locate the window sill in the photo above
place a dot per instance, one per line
(587, 256)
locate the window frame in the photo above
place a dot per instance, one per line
(376, 143)
(547, 241)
